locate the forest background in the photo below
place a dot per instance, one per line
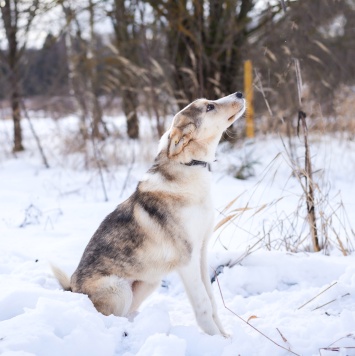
(94, 58)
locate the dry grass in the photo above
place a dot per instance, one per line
(345, 113)
(339, 349)
(288, 349)
(273, 227)
(286, 231)
(327, 218)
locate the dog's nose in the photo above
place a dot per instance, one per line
(239, 95)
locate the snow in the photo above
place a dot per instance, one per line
(303, 301)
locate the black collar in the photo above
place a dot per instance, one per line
(195, 162)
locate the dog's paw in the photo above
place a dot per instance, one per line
(226, 335)
(131, 316)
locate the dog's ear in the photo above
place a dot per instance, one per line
(176, 142)
(179, 138)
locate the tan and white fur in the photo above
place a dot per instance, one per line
(166, 223)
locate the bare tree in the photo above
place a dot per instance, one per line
(82, 63)
(122, 17)
(206, 43)
(13, 12)
(96, 109)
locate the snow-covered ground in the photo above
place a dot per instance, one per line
(48, 215)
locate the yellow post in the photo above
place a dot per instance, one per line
(248, 92)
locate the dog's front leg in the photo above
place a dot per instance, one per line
(198, 296)
(207, 282)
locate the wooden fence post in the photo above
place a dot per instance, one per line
(249, 94)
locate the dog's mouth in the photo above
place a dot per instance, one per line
(238, 114)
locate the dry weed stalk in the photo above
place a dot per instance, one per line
(309, 187)
(329, 213)
(259, 86)
(331, 301)
(99, 160)
(338, 348)
(308, 172)
(289, 230)
(246, 322)
(344, 102)
(130, 167)
(332, 285)
(34, 133)
(231, 215)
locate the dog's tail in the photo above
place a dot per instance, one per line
(62, 277)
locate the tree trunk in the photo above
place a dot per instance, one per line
(15, 96)
(123, 16)
(16, 117)
(10, 17)
(96, 110)
(129, 102)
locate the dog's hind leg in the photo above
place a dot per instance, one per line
(141, 290)
(109, 294)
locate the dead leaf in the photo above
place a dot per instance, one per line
(252, 317)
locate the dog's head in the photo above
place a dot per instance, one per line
(197, 129)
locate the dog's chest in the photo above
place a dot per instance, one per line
(198, 221)
(185, 237)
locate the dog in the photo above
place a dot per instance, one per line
(164, 225)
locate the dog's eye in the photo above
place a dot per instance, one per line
(210, 107)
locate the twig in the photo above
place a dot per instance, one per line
(97, 159)
(283, 5)
(299, 80)
(257, 330)
(261, 90)
(309, 191)
(248, 252)
(344, 337)
(323, 305)
(44, 159)
(336, 348)
(128, 173)
(332, 285)
(282, 337)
